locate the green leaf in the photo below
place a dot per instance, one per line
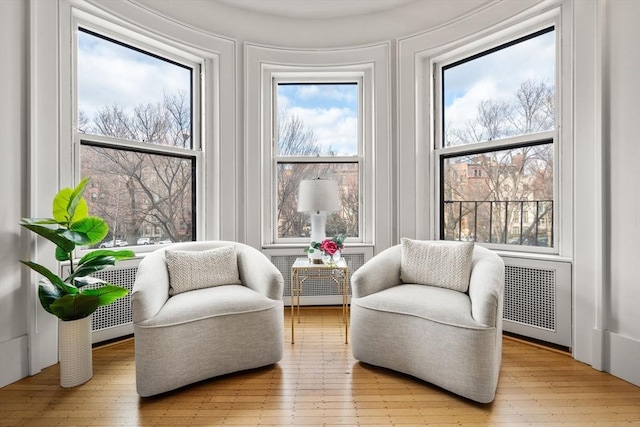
(90, 268)
(76, 237)
(63, 212)
(51, 235)
(48, 294)
(107, 294)
(54, 279)
(117, 254)
(39, 221)
(76, 200)
(94, 228)
(60, 203)
(98, 260)
(87, 280)
(74, 307)
(61, 255)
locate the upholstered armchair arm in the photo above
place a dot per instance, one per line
(151, 288)
(379, 273)
(486, 287)
(257, 272)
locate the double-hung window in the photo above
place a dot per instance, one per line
(496, 143)
(137, 138)
(317, 133)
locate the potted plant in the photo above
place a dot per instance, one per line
(69, 298)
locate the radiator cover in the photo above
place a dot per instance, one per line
(316, 291)
(537, 297)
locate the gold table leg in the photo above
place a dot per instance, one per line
(293, 280)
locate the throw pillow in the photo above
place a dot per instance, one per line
(437, 263)
(190, 270)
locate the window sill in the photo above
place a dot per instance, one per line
(301, 246)
(532, 255)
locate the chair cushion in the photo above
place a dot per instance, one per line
(437, 263)
(191, 270)
(431, 303)
(210, 302)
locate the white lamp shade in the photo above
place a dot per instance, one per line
(318, 195)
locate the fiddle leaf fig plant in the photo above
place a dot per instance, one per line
(68, 298)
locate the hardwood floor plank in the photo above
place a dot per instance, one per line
(319, 383)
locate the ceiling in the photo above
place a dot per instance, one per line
(316, 9)
(316, 23)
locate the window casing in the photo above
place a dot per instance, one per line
(141, 145)
(495, 152)
(319, 155)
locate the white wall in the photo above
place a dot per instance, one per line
(621, 139)
(606, 203)
(606, 324)
(14, 17)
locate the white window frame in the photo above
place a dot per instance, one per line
(162, 49)
(311, 78)
(438, 152)
(363, 75)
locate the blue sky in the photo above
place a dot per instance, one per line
(330, 110)
(497, 76)
(109, 73)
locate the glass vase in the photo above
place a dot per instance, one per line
(327, 259)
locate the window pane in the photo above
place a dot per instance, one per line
(129, 94)
(505, 92)
(317, 119)
(292, 223)
(140, 195)
(500, 197)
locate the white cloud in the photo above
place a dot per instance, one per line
(497, 76)
(331, 92)
(334, 128)
(307, 91)
(464, 108)
(110, 74)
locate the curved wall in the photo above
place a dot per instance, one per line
(407, 18)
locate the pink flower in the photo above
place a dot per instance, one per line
(329, 246)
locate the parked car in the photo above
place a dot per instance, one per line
(144, 241)
(110, 243)
(164, 242)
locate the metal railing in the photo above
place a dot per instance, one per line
(515, 222)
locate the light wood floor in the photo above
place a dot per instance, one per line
(318, 382)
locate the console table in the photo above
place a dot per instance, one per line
(302, 270)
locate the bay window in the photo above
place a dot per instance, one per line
(317, 133)
(496, 143)
(136, 138)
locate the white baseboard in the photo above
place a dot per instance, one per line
(112, 333)
(622, 357)
(597, 349)
(14, 360)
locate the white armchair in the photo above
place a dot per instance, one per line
(449, 338)
(199, 334)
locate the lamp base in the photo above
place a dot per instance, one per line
(315, 257)
(315, 260)
(318, 221)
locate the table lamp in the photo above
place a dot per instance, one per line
(318, 196)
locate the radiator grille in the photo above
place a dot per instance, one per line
(119, 312)
(315, 286)
(537, 299)
(530, 296)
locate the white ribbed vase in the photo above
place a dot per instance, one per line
(76, 357)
